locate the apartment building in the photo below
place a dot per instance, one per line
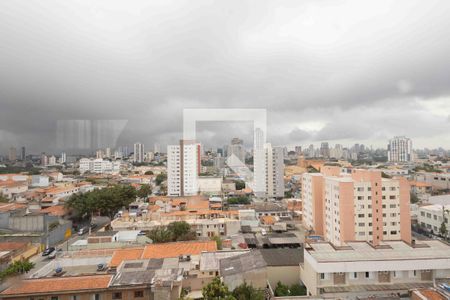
(431, 217)
(274, 171)
(360, 269)
(400, 149)
(183, 168)
(361, 206)
(138, 153)
(99, 166)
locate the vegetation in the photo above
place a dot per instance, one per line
(288, 194)
(217, 290)
(384, 175)
(247, 292)
(149, 173)
(282, 290)
(144, 191)
(427, 168)
(175, 231)
(239, 200)
(240, 184)
(16, 268)
(414, 198)
(218, 241)
(106, 202)
(13, 169)
(3, 199)
(160, 178)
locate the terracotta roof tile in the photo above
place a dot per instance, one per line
(11, 206)
(58, 285)
(178, 248)
(8, 246)
(57, 210)
(125, 254)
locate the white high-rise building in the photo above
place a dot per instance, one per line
(400, 149)
(259, 164)
(99, 166)
(183, 168)
(274, 171)
(52, 160)
(138, 155)
(63, 158)
(108, 152)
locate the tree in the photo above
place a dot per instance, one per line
(175, 231)
(149, 173)
(247, 292)
(160, 234)
(160, 178)
(3, 199)
(282, 290)
(240, 184)
(218, 241)
(443, 228)
(413, 197)
(216, 290)
(106, 201)
(239, 200)
(16, 268)
(144, 191)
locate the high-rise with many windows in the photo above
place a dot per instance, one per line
(361, 206)
(138, 154)
(183, 168)
(400, 149)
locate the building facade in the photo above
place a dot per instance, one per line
(361, 206)
(183, 168)
(400, 149)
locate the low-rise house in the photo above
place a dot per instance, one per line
(360, 269)
(283, 265)
(249, 267)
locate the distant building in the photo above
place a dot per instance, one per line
(325, 150)
(23, 154)
(99, 166)
(138, 154)
(52, 160)
(269, 172)
(183, 168)
(400, 149)
(44, 160)
(39, 181)
(63, 158)
(237, 149)
(12, 155)
(361, 206)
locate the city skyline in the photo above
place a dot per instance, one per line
(320, 69)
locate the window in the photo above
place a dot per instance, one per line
(75, 297)
(367, 275)
(54, 298)
(117, 295)
(322, 275)
(355, 275)
(138, 294)
(96, 297)
(360, 215)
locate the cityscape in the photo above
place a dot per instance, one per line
(142, 171)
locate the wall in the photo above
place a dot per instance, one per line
(285, 274)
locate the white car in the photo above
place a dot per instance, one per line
(52, 255)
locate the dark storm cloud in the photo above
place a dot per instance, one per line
(327, 70)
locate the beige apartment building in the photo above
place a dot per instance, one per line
(360, 206)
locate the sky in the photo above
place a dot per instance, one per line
(123, 71)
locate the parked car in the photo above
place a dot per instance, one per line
(93, 226)
(48, 251)
(52, 255)
(83, 231)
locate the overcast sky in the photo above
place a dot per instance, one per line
(336, 71)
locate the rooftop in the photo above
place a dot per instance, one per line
(389, 250)
(242, 263)
(282, 256)
(178, 248)
(58, 284)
